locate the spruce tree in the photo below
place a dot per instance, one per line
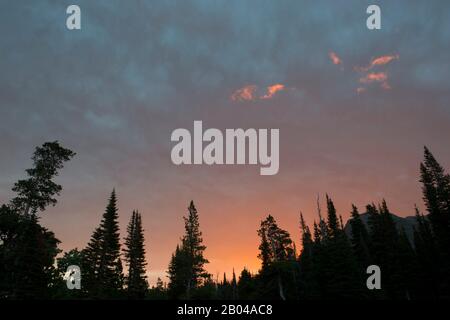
(360, 240)
(333, 224)
(192, 244)
(92, 256)
(427, 257)
(186, 268)
(278, 260)
(179, 274)
(386, 248)
(265, 252)
(340, 277)
(436, 195)
(102, 256)
(276, 244)
(306, 282)
(136, 280)
(246, 285)
(234, 289)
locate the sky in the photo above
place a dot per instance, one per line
(354, 108)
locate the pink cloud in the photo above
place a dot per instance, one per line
(378, 61)
(246, 93)
(335, 58)
(272, 90)
(374, 77)
(249, 92)
(383, 60)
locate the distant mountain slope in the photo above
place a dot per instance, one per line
(406, 223)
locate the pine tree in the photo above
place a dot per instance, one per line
(436, 195)
(136, 280)
(333, 224)
(193, 244)
(386, 248)
(276, 244)
(278, 256)
(224, 289)
(317, 235)
(408, 272)
(337, 264)
(306, 283)
(178, 274)
(38, 190)
(234, 289)
(186, 268)
(265, 252)
(158, 291)
(91, 264)
(427, 256)
(102, 256)
(360, 240)
(246, 285)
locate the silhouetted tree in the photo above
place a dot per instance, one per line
(427, 256)
(72, 257)
(246, 285)
(278, 260)
(28, 250)
(436, 195)
(136, 280)
(360, 240)
(38, 190)
(186, 268)
(102, 256)
(307, 285)
(158, 291)
(179, 274)
(337, 271)
(234, 289)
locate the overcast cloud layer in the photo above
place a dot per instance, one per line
(350, 125)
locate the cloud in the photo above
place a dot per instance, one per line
(335, 58)
(374, 77)
(381, 77)
(272, 90)
(246, 93)
(249, 92)
(378, 61)
(383, 60)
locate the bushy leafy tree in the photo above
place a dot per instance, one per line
(28, 250)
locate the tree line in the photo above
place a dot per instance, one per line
(331, 264)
